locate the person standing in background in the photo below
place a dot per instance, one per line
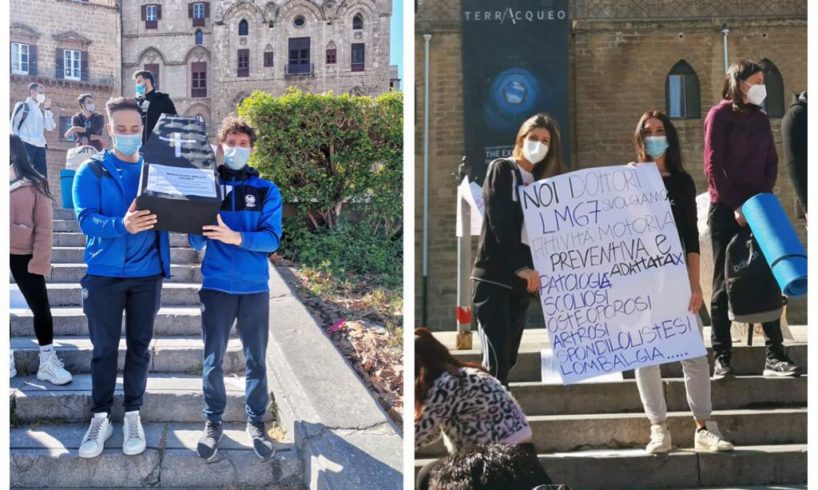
(794, 134)
(87, 125)
(152, 103)
(740, 161)
(29, 121)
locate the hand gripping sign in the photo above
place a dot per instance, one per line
(614, 287)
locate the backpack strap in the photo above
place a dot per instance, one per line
(21, 106)
(95, 164)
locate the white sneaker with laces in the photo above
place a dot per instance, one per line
(711, 440)
(93, 442)
(52, 370)
(133, 440)
(660, 441)
(12, 366)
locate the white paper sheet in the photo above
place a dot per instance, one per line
(181, 181)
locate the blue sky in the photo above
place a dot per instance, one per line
(396, 36)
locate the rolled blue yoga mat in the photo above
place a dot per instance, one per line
(778, 242)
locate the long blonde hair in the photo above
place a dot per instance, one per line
(551, 165)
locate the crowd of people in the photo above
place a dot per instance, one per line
(471, 407)
(128, 260)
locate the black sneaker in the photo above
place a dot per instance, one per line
(722, 369)
(262, 445)
(780, 366)
(209, 442)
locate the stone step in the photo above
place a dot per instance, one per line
(68, 273)
(65, 225)
(64, 214)
(169, 398)
(742, 392)
(70, 294)
(626, 469)
(46, 456)
(746, 361)
(76, 255)
(78, 240)
(560, 433)
(71, 321)
(168, 355)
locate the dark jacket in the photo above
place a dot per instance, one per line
(501, 253)
(794, 132)
(740, 160)
(153, 105)
(251, 206)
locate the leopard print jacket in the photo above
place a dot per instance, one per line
(468, 409)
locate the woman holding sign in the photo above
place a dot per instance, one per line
(503, 273)
(740, 161)
(657, 141)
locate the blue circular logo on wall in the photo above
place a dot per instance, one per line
(513, 96)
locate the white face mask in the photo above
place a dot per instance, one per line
(756, 94)
(40, 98)
(534, 151)
(90, 107)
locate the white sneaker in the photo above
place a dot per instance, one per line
(660, 442)
(710, 439)
(94, 440)
(133, 437)
(52, 370)
(12, 366)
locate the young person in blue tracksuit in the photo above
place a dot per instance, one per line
(234, 289)
(127, 261)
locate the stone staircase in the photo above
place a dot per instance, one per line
(592, 435)
(49, 421)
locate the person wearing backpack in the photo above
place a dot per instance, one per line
(127, 261)
(656, 141)
(740, 161)
(30, 260)
(29, 121)
(503, 272)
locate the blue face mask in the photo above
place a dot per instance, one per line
(140, 89)
(127, 144)
(236, 157)
(656, 146)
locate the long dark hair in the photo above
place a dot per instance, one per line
(431, 360)
(673, 156)
(551, 165)
(739, 72)
(23, 167)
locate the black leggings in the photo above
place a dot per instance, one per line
(500, 316)
(723, 227)
(424, 477)
(33, 288)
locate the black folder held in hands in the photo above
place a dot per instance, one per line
(179, 182)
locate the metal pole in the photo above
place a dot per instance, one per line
(463, 341)
(724, 32)
(425, 267)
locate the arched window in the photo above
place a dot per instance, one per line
(358, 22)
(244, 28)
(682, 92)
(774, 103)
(199, 37)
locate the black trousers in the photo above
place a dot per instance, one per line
(424, 477)
(500, 314)
(104, 301)
(34, 291)
(723, 228)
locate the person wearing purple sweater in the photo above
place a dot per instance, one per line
(740, 161)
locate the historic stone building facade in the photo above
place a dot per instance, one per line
(622, 54)
(211, 55)
(69, 56)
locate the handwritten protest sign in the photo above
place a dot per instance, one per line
(613, 281)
